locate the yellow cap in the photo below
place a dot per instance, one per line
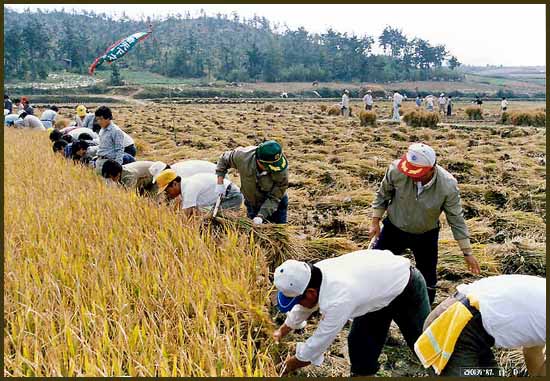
(164, 178)
(81, 110)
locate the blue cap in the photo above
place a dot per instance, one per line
(284, 303)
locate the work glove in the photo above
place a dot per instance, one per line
(220, 190)
(257, 220)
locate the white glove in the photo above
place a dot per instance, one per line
(257, 220)
(220, 189)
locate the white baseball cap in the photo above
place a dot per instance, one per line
(418, 160)
(156, 168)
(291, 279)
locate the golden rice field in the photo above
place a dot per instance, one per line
(99, 282)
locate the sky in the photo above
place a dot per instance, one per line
(478, 34)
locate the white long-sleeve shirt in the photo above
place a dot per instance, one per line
(352, 285)
(512, 307)
(345, 101)
(430, 101)
(367, 99)
(188, 168)
(397, 99)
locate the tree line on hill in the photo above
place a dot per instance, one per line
(223, 47)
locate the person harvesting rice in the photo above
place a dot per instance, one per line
(263, 170)
(413, 193)
(505, 311)
(372, 287)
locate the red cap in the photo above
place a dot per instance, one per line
(418, 160)
(411, 170)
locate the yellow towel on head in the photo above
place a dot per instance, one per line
(436, 345)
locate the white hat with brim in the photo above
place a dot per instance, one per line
(291, 279)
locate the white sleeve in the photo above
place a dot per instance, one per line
(331, 324)
(297, 315)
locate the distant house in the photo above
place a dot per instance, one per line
(67, 62)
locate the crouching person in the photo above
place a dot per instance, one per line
(133, 176)
(111, 140)
(372, 290)
(506, 311)
(198, 191)
(62, 147)
(263, 170)
(84, 151)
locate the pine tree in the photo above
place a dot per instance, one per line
(116, 77)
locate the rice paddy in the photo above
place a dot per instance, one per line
(99, 282)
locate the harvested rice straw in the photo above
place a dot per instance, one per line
(513, 363)
(451, 265)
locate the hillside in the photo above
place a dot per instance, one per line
(217, 48)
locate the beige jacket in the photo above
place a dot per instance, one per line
(418, 214)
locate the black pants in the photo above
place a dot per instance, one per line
(473, 347)
(368, 332)
(423, 246)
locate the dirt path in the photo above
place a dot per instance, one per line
(130, 97)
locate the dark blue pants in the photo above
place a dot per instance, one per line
(131, 150)
(278, 217)
(472, 349)
(423, 246)
(126, 159)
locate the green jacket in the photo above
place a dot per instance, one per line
(261, 190)
(418, 214)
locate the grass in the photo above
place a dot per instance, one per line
(421, 118)
(133, 77)
(524, 118)
(367, 118)
(474, 113)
